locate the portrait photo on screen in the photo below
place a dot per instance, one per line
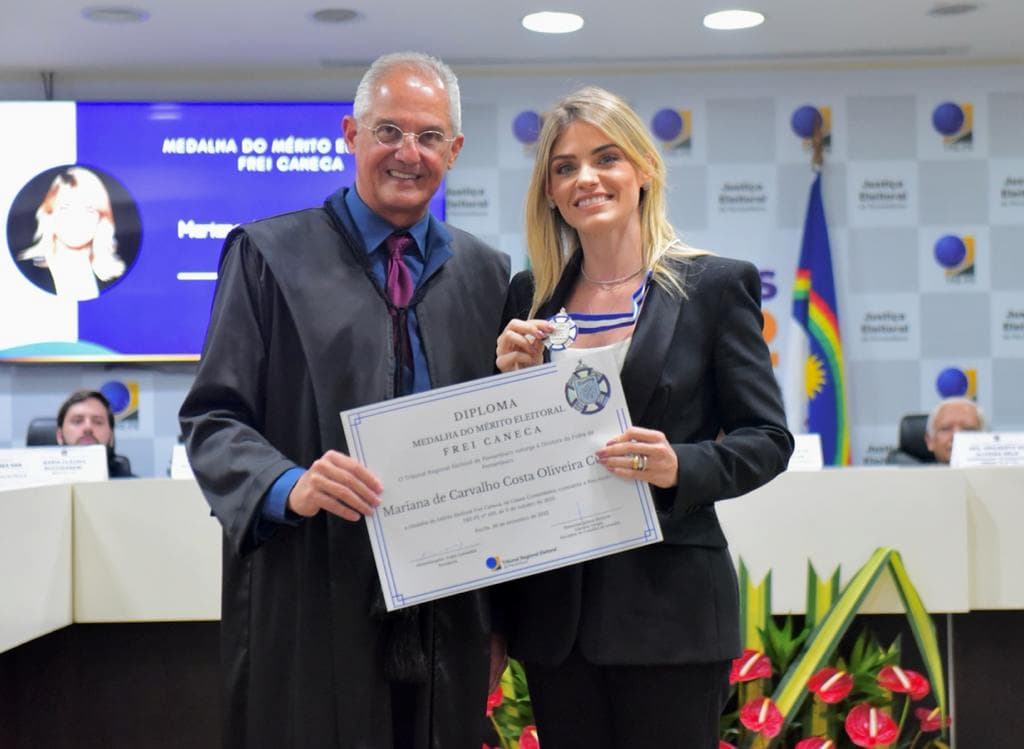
(74, 231)
(118, 213)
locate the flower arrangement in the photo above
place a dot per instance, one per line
(852, 703)
(793, 690)
(510, 711)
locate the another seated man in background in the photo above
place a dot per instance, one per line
(950, 416)
(86, 418)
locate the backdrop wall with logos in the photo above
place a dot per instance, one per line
(924, 196)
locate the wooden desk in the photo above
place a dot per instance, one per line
(995, 521)
(148, 551)
(145, 551)
(35, 563)
(838, 517)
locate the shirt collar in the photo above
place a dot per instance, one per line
(375, 230)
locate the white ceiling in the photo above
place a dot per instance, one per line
(279, 36)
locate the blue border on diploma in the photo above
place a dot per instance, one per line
(622, 415)
(357, 416)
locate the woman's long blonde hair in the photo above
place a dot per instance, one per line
(106, 263)
(550, 241)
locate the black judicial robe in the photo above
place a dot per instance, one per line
(299, 332)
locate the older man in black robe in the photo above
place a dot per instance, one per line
(307, 322)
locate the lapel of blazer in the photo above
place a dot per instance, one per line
(652, 336)
(648, 351)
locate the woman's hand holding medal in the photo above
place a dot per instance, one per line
(521, 344)
(637, 453)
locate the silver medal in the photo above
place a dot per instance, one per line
(564, 334)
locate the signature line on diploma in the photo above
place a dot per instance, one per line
(580, 517)
(440, 553)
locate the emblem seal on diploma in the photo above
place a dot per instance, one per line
(496, 479)
(587, 390)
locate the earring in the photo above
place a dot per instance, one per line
(551, 204)
(645, 186)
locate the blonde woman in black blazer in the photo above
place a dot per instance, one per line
(633, 650)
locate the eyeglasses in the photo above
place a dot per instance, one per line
(392, 136)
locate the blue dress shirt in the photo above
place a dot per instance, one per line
(432, 249)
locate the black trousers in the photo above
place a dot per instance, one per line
(403, 715)
(579, 705)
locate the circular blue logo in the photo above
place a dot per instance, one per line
(118, 395)
(950, 251)
(804, 120)
(526, 127)
(951, 383)
(667, 124)
(948, 118)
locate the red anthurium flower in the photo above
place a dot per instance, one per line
(725, 745)
(494, 699)
(868, 726)
(528, 738)
(896, 679)
(931, 720)
(817, 742)
(761, 716)
(831, 685)
(749, 666)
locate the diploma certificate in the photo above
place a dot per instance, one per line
(497, 478)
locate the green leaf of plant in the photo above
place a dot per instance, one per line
(792, 688)
(781, 646)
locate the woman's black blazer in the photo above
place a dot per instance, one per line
(697, 369)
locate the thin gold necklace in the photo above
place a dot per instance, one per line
(611, 283)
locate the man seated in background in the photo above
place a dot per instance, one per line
(950, 416)
(86, 418)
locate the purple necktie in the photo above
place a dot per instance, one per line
(399, 280)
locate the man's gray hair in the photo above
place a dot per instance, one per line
(930, 427)
(419, 61)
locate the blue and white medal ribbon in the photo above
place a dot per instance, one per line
(568, 327)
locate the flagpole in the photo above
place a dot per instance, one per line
(814, 390)
(818, 146)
